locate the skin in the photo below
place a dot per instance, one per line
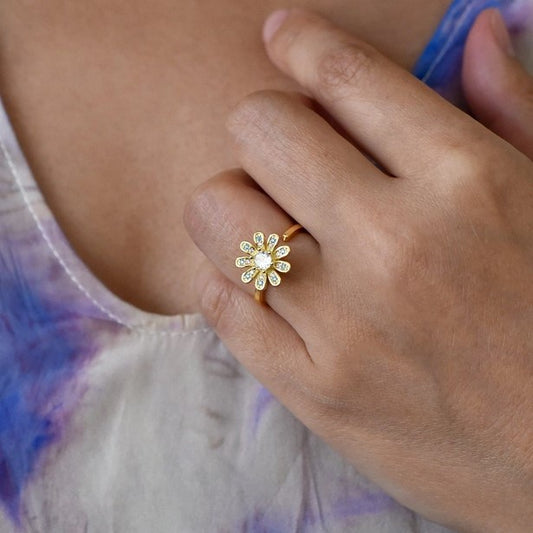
(402, 334)
(498, 89)
(120, 108)
(94, 102)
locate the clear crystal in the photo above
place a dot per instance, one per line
(274, 278)
(282, 266)
(242, 262)
(272, 241)
(282, 251)
(249, 275)
(247, 248)
(259, 239)
(260, 281)
(263, 260)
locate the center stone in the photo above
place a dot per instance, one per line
(263, 260)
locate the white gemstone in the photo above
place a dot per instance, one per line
(263, 260)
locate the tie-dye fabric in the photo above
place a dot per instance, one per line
(117, 420)
(440, 64)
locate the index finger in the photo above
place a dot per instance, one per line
(393, 116)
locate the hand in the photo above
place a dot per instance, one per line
(403, 333)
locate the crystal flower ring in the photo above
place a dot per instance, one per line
(264, 260)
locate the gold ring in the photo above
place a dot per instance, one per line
(265, 260)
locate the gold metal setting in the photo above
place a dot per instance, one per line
(265, 260)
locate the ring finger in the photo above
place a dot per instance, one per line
(229, 209)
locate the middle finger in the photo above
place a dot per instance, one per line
(303, 164)
(397, 119)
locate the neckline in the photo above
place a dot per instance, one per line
(108, 304)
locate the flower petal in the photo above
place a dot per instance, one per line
(249, 275)
(261, 281)
(259, 239)
(272, 241)
(248, 248)
(282, 266)
(242, 262)
(274, 278)
(282, 251)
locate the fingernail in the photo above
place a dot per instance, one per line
(501, 34)
(273, 23)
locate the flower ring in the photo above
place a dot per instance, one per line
(264, 260)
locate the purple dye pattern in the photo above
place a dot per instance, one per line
(258, 524)
(518, 15)
(44, 343)
(339, 512)
(363, 503)
(316, 504)
(263, 401)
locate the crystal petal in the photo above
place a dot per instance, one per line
(259, 239)
(242, 262)
(248, 248)
(261, 281)
(249, 275)
(274, 278)
(272, 241)
(282, 251)
(282, 266)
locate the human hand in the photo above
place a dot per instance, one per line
(402, 335)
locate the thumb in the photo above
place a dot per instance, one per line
(498, 89)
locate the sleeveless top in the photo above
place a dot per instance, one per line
(115, 420)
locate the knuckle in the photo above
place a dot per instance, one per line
(465, 170)
(341, 69)
(466, 164)
(253, 116)
(206, 213)
(523, 91)
(198, 204)
(468, 153)
(205, 200)
(216, 303)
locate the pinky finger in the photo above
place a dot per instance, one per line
(263, 342)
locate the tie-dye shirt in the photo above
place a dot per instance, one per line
(116, 420)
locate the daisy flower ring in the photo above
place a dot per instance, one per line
(265, 260)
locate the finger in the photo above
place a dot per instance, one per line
(307, 168)
(402, 123)
(229, 209)
(256, 335)
(498, 89)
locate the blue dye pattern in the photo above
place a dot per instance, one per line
(42, 346)
(440, 64)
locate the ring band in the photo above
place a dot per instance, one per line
(264, 260)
